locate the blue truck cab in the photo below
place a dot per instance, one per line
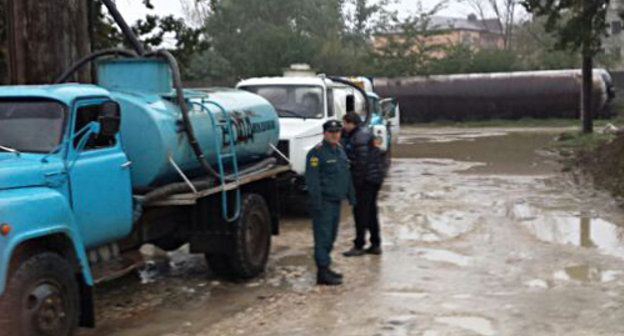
(76, 205)
(64, 181)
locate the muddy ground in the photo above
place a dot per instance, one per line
(482, 236)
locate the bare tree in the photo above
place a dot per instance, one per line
(197, 11)
(504, 11)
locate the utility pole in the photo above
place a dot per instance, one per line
(46, 37)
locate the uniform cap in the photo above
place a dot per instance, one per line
(332, 126)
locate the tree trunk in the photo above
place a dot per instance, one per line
(586, 96)
(588, 71)
(45, 38)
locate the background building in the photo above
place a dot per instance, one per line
(449, 31)
(613, 43)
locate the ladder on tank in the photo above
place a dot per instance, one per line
(227, 151)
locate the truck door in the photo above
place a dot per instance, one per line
(100, 180)
(390, 110)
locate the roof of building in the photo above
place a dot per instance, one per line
(470, 23)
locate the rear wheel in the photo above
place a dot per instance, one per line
(41, 298)
(251, 242)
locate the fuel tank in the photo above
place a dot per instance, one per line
(513, 95)
(152, 131)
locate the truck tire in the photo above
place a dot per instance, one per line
(41, 298)
(251, 234)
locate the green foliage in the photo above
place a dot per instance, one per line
(462, 59)
(576, 140)
(209, 66)
(536, 48)
(261, 37)
(244, 38)
(578, 23)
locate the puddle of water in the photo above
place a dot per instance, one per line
(409, 138)
(585, 273)
(537, 283)
(514, 153)
(407, 295)
(435, 227)
(579, 231)
(523, 212)
(443, 256)
(478, 325)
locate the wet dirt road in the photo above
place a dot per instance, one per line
(482, 236)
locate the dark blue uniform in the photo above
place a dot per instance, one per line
(329, 182)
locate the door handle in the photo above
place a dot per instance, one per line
(126, 164)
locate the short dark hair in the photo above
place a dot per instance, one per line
(352, 118)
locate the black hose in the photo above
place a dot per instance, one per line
(134, 41)
(186, 121)
(181, 187)
(83, 61)
(369, 111)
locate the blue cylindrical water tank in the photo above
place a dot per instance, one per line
(152, 131)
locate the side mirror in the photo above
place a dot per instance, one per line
(109, 118)
(350, 103)
(388, 107)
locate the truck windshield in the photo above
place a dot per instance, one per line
(31, 126)
(293, 101)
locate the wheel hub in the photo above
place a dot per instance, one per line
(46, 310)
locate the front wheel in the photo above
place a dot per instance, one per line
(251, 242)
(41, 298)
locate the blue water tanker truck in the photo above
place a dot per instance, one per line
(91, 172)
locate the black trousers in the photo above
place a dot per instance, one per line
(366, 215)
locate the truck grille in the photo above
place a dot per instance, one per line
(284, 147)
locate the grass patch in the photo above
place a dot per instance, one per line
(579, 141)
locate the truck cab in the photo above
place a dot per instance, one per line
(304, 101)
(304, 104)
(64, 188)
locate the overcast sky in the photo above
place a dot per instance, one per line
(134, 9)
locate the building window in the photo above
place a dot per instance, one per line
(616, 27)
(466, 40)
(616, 52)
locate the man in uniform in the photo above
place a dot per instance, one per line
(329, 182)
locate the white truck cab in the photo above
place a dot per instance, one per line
(304, 104)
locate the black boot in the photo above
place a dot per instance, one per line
(335, 274)
(354, 252)
(323, 277)
(376, 250)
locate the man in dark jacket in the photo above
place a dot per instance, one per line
(358, 141)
